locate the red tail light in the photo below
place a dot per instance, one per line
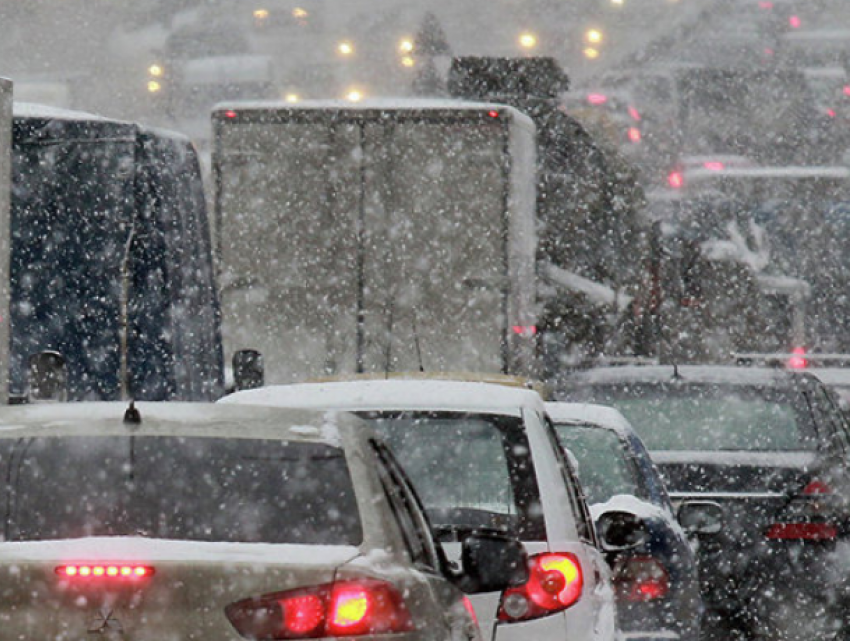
(641, 578)
(798, 359)
(634, 134)
(340, 609)
(634, 113)
(107, 571)
(555, 582)
(676, 180)
(714, 165)
(794, 22)
(597, 98)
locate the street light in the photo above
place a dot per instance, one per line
(527, 40)
(405, 45)
(593, 36)
(156, 70)
(345, 48)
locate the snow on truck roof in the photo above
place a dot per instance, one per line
(395, 394)
(206, 419)
(33, 110)
(371, 105)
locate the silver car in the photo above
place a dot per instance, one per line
(178, 521)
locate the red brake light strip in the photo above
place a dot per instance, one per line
(109, 571)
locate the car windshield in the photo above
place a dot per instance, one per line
(603, 464)
(195, 489)
(470, 470)
(712, 417)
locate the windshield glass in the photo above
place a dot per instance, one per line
(194, 489)
(604, 467)
(469, 470)
(712, 418)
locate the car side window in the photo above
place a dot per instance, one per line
(584, 522)
(408, 510)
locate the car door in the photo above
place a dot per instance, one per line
(450, 609)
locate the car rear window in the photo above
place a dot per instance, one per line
(603, 468)
(711, 418)
(469, 470)
(197, 489)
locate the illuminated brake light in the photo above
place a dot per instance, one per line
(798, 359)
(555, 582)
(802, 531)
(493, 113)
(831, 113)
(230, 113)
(765, 4)
(348, 608)
(817, 488)
(634, 134)
(597, 99)
(846, 90)
(794, 22)
(641, 578)
(525, 331)
(714, 166)
(635, 114)
(676, 180)
(105, 571)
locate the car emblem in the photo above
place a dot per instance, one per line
(105, 625)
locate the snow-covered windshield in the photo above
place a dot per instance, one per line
(194, 489)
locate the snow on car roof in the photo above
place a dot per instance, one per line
(590, 413)
(395, 394)
(203, 419)
(130, 549)
(713, 374)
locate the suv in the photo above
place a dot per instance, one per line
(769, 448)
(485, 456)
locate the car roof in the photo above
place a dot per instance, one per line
(700, 374)
(601, 416)
(173, 419)
(395, 394)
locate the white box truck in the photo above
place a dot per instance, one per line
(376, 238)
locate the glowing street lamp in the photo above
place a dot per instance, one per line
(345, 48)
(527, 40)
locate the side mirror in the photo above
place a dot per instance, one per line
(619, 531)
(492, 562)
(701, 517)
(48, 378)
(248, 369)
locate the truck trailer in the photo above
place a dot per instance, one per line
(376, 238)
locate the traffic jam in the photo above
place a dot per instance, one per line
(434, 321)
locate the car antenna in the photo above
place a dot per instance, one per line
(389, 353)
(416, 343)
(132, 417)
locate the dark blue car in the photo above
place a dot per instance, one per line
(656, 583)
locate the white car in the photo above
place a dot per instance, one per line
(484, 455)
(212, 522)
